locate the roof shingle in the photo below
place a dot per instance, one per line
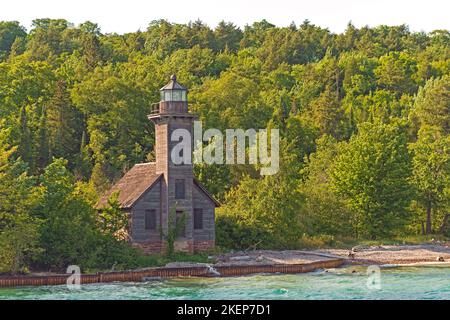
(132, 185)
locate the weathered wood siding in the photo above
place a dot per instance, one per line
(202, 201)
(150, 200)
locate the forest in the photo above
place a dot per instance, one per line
(364, 120)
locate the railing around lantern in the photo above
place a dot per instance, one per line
(154, 108)
(173, 108)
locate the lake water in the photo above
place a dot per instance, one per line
(345, 283)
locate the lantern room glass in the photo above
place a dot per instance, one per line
(173, 95)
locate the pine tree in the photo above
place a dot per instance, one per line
(83, 166)
(43, 151)
(64, 123)
(25, 145)
(99, 178)
(91, 50)
(432, 105)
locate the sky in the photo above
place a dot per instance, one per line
(123, 16)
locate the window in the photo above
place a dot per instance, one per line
(176, 96)
(179, 189)
(173, 95)
(198, 218)
(181, 219)
(150, 219)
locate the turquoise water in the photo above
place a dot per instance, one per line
(345, 283)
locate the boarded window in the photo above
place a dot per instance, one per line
(198, 218)
(150, 219)
(182, 222)
(179, 189)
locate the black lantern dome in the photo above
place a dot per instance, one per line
(173, 91)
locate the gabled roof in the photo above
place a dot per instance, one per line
(136, 182)
(209, 195)
(132, 185)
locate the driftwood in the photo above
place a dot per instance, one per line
(253, 247)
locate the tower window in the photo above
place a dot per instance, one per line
(150, 219)
(180, 189)
(198, 218)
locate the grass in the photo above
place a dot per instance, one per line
(156, 260)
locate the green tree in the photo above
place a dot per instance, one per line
(431, 171)
(112, 220)
(265, 211)
(327, 114)
(227, 36)
(67, 233)
(396, 72)
(18, 243)
(10, 32)
(175, 224)
(25, 145)
(24, 83)
(83, 165)
(164, 37)
(118, 129)
(43, 151)
(372, 174)
(65, 124)
(327, 212)
(432, 104)
(90, 43)
(18, 230)
(47, 39)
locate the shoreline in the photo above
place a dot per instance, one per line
(259, 261)
(438, 253)
(362, 255)
(169, 272)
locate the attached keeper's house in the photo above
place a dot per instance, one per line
(149, 190)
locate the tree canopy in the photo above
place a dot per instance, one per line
(363, 116)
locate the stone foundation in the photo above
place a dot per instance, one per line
(203, 245)
(151, 247)
(179, 246)
(184, 246)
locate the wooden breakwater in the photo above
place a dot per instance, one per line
(166, 272)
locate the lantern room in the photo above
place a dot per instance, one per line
(173, 91)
